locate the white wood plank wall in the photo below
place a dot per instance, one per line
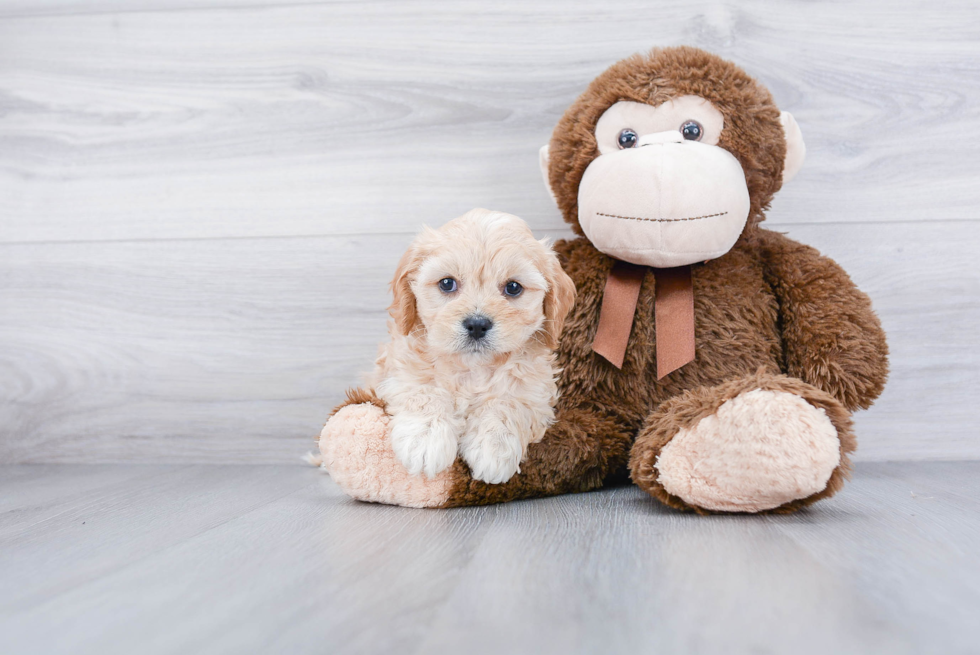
(201, 203)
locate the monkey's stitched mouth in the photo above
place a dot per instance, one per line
(661, 220)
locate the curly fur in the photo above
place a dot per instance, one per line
(485, 398)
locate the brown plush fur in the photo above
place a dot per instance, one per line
(769, 311)
(770, 314)
(748, 331)
(358, 396)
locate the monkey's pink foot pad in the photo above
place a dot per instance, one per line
(760, 450)
(357, 454)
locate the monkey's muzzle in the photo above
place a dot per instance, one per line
(667, 202)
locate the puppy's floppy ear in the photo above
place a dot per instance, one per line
(558, 300)
(403, 308)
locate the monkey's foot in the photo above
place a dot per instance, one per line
(744, 447)
(355, 446)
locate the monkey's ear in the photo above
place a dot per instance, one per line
(795, 148)
(543, 160)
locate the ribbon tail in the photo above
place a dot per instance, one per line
(618, 308)
(674, 317)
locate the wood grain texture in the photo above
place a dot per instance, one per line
(235, 350)
(126, 521)
(275, 559)
(351, 117)
(201, 204)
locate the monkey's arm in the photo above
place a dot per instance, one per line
(832, 338)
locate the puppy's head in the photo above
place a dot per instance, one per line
(481, 284)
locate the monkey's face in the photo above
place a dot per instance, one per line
(668, 157)
(662, 192)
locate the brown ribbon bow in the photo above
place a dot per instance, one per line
(673, 314)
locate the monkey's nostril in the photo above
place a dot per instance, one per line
(477, 326)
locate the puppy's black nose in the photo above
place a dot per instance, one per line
(477, 326)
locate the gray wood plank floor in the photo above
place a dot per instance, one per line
(260, 559)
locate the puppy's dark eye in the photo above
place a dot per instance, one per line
(447, 284)
(627, 139)
(513, 289)
(692, 131)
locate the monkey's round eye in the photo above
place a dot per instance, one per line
(692, 131)
(513, 289)
(627, 139)
(447, 284)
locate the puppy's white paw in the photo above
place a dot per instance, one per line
(424, 445)
(492, 452)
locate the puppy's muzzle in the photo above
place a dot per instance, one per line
(477, 326)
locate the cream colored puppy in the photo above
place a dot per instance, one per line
(470, 369)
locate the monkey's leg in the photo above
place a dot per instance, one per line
(762, 443)
(583, 448)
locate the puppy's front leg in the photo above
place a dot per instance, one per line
(497, 435)
(424, 430)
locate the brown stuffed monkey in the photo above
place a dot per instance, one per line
(713, 362)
